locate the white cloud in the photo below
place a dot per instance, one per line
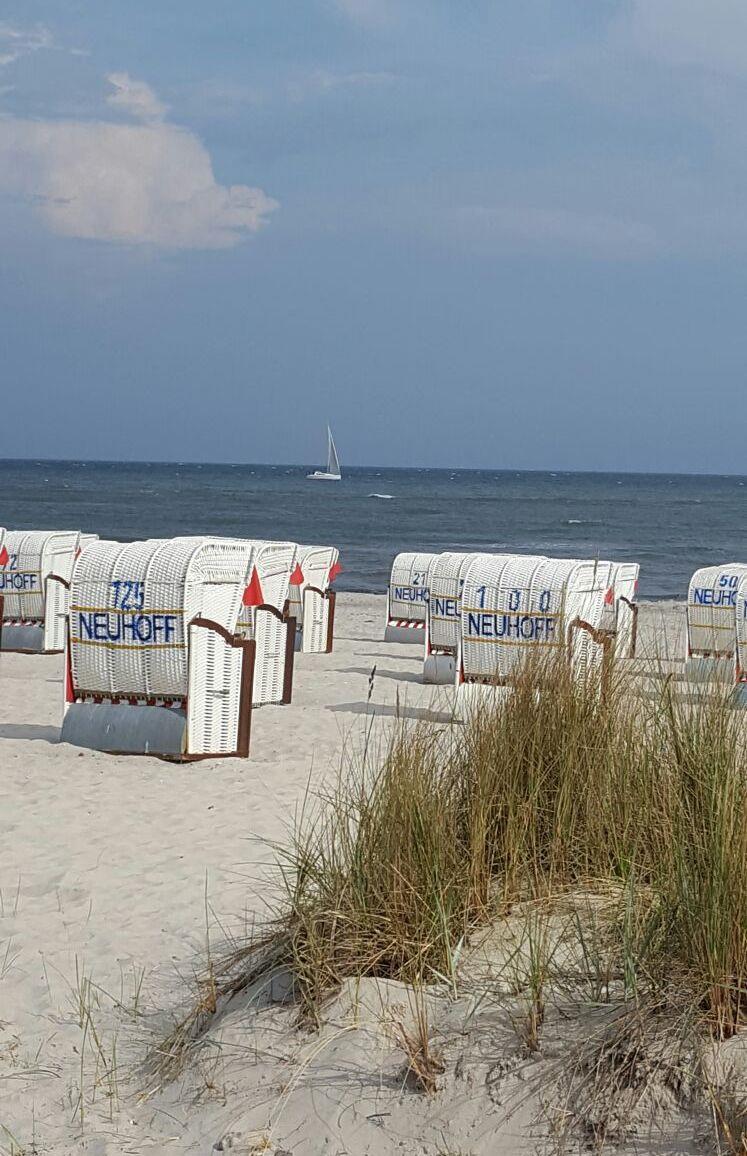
(135, 97)
(149, 183)
(689, 32)
(18, 42)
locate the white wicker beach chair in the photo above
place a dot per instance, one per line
(311, 601)
(265, 617)
(407, 597)
(712, 621)
(35, 570)
(515, 605)
(620, 616)
(443, 615)
(153, 661)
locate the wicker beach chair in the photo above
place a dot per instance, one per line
(407, 597)
(712, 622)
(515, 605)
(620, 617)
(35, 570)
(266, 618)
(443, 615)
(311, 599)
(153, 661)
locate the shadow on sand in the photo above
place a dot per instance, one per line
(29, 731)
(379, 710)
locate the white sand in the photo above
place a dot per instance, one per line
(103, 869)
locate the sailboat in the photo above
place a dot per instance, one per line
(332, 472)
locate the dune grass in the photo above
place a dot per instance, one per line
(549, 793)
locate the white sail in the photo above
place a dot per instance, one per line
(333, 462)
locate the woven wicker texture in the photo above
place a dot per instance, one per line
(32, 556)
(269, 668)
(316, 563)
(444, 608)
(130, 605)
(741, 628)
(407, 595)
(624, 585)
(214, 693)
(274, 563)
(513, 606)
(711, 610)
(316, 611)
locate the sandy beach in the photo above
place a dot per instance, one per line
(112, 869)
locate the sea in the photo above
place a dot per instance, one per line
(670, 524)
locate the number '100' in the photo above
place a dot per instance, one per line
(515, 596)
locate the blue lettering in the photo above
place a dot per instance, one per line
(17, 580)
(410, 594)
(101, 626)
(126, 629)
(521, 627)
(704, 596)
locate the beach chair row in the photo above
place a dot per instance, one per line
(479, 615)
(168, 643)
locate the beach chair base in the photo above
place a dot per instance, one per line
(412, 634)
(126, 730)
(27, 638)
(473, 697)
(439, 669)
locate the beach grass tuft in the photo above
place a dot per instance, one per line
(628, 810)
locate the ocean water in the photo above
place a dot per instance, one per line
(671, 524)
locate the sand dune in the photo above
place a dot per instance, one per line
(105, 863)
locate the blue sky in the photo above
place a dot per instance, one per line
(477, 234)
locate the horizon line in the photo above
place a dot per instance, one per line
(33, 460)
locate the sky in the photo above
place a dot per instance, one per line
(476, 234)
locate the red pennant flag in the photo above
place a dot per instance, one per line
(296, 578)
(253, 593)
(609, 597)
(4, 557)
(334, 571)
